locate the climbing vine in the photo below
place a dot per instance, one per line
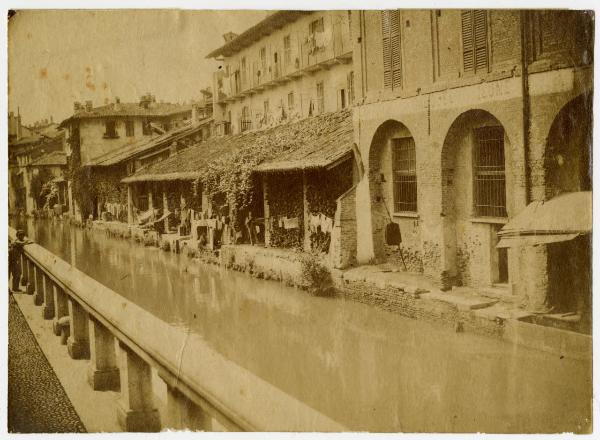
(285, 200)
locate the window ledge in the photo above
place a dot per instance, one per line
(491, 220)
(406, 214)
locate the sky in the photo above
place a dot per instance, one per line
(57, 57)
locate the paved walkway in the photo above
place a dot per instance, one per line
(37, 401)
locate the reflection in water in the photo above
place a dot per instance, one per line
(365, 368)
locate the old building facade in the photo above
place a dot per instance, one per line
(461, 119)
(291, 65)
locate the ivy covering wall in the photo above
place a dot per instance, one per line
(323, 189)
(286, 200)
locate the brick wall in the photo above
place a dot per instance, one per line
(342, 251)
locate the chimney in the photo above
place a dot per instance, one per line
(194, 113)
(88, 106)
(229, 36)
(117, 100)
(76, 106)
(51, 119)
(117, 105)
(145, 100)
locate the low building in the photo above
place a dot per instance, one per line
(26, 145)
(95, 132)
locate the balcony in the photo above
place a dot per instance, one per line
(313, 53)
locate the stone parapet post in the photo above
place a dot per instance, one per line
(48, 310)
(135, 408)
(181, 413)
(103, 373)
(61, 307)
(30, 278)
(38, 296)
(78, 343)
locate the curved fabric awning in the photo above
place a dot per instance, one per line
(559, 219)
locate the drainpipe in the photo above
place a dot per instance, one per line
(526, 104)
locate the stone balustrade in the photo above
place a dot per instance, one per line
(123, 343)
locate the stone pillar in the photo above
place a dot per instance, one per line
(38, 296)
(129, 204)
(183, 414)
(78, 343)
(48, 309)
(30, 278)
(306, 213)
(150, 198)
(24, 271)
(267, 211)
(61, 307)
(535, 276)
(103, 373)
(135, 408)
(165, 207)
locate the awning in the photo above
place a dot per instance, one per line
(562, 218)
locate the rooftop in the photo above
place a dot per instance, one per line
(306, 144)
(263, 28)
(50, 159)
(144, 145)
(129, 110)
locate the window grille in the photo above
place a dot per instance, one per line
(489, 172)
(404, 168)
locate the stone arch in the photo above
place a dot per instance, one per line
(567, 168)
(567, 158)
(469, 255)
(381, 181)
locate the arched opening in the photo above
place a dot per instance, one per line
(475, 200)
(568, 169)
(393, 187)
(568, 149)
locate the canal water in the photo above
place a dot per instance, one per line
(365, 368)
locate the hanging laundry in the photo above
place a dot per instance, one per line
(291, 223)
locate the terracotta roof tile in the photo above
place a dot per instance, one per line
(309, 143)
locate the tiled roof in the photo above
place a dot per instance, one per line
(130, 109)
(274, 21)
(52, 158)
(309, 143)
(143, 145)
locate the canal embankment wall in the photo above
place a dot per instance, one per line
(412, 296)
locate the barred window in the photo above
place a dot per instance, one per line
(489, 172)
(404, 174)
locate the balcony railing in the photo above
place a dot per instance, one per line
(245, 125)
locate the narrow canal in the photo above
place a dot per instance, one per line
(364, 368)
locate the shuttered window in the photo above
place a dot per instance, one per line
(404, 167)
(392, 59)
(475, 40)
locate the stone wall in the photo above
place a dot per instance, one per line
(342, 251)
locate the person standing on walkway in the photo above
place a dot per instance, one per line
(15, 252)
